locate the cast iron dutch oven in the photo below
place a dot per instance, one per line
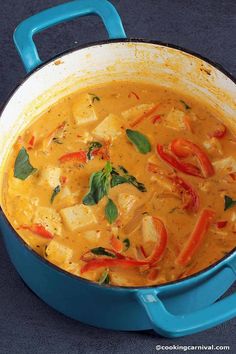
(173, 309)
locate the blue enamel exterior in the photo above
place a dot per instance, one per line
(175, 309)
(23, 35)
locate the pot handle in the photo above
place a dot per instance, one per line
(23, 35)
(172, 326)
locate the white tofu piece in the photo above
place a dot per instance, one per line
(118, 279)
(92, 235)
(136, 111)
(83, 110)
(175, 119)
(226, 165)
(51, 176)
(71, 267)
(58, 253)
(65, 192)
(78, 216)
(126, 201)
(213, 146)
(109, 128)
(148, 229)
(86, 137)
(49, 218)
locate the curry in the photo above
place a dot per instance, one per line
(127, 184)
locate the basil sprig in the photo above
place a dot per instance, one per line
(139, 140)
(125, 177)
(99, 185)
(22, 166)
(229, 202)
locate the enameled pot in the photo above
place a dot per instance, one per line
(173, 309)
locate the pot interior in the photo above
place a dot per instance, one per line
(120, 60)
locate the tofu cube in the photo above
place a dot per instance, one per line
(83, 110)
(120, 280)
(51, 176)
(213, 146)
(126, 201)
(92, 235)
(136, 111)
(226, 165)
(148, 229)
(78, 216)
(49, 218)
(109, 128)
(58, 253)
(175, 119)
(71, 267)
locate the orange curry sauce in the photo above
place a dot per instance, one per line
(126, 183)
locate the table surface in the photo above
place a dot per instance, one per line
(27, 325)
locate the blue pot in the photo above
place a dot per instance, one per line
(173, 309)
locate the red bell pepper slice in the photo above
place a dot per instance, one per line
(184, 148)
(187, 168)
(116, 244)
(123, 261)
(71, 156)
(113, 262)
(103, 151)
(220, 132)
(142, 250)
(38, 229)
(193, 203)
(161, 244)
(203, 223)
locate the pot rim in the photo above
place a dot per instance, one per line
(75, 49)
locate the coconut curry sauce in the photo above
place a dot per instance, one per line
(125, 183)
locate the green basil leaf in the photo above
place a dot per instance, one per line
(23, 167)
(111, 211)
(98, 189)
(99, 185)
(126, 243)
(140, 186)
(92, 146)
(186, 106)
(54, 193)
(117, 179)
(101, 251)
(139, 140)
(104, 279)
(229, 202)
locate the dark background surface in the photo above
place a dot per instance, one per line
(27, 325)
